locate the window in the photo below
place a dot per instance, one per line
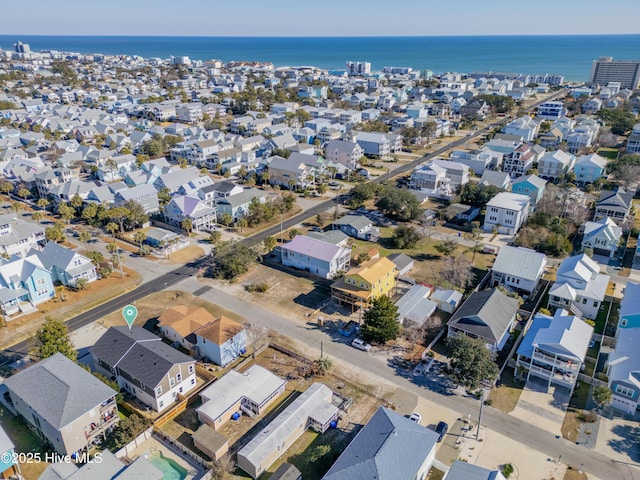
(190, 368)
(40, 282)
(161, 404)
(622, 390)
(159, 390)
(623, 322)
(172, 382)
(595, 304)
(584, 301)
(193, 381)
(179, 377)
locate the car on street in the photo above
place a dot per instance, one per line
(441, 430)
(415, 417)
(360, 344)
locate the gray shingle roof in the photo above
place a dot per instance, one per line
(486, 314)
(59, 390)
(389, 447)
(356, 221)
(139, 353)
(467, 471)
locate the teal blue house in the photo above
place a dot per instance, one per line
(8, 466)
(623, 364)
(589, 168)
(530, 185)
(24, 283)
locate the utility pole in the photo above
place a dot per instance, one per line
(480, 415)
(321, 349)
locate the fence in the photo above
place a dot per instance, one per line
(172, 413)
(135, 443)
(166, 438)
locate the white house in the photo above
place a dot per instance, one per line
(315, 256)
(478, 160)
(456, 172)
(506, 212)
(603, 237)
(579, 286)
(524, 127)
(518, 268)
(344, 153)
(432, 180)
(221, 341)
(554, 164)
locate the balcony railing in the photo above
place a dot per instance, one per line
(541, 357)
(567, 380)
(106, 420)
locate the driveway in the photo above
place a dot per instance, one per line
(542, 406)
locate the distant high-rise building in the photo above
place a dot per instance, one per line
(605, 70)
(21, 47)
(355, 69)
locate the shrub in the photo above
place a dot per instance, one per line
(257, 287)
(507, 470)
(589, 417)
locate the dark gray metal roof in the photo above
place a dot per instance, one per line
(389, 447)
(59, 390)
(486, 314)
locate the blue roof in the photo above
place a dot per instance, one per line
(539, 321)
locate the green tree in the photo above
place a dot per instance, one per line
(232, 259)
(324, 365)
(139, 237)
(226, 219)
(270, 243)
(164, 197)
(24, 193)
(81, 284)
(603, 396)
(76, 201)
(361, 193)
(137, 215)
(53, 337)
(405, 236)
(293, 233)
(399, 204)
(37, 216)
(95, 256)
(214, 237)
(126, 430)
(66, 212)
(471, 362)
(380, 321)
(119, 215)
(55, 233)
(84, 237)
(90, 212)
(187, 225)
(42, 203)
(6, 187)
(446, 247)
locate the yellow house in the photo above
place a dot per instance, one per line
(361, 285)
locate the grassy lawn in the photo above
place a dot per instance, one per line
(571, 423)
(505, 397)
(25, 441)
(601, 318)
(608, 153)
(572, 474)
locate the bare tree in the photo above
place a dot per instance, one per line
(256, 336)
(237, 343)
(414, 333)
(628, 174)
(456, 271)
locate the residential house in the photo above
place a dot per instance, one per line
(432, 180)
(518, 162)
(220, 341)
(579, 287)
(185, 207)
(478, 109)
(404, 263)
(463, 470)
(116, 167)
(64, 192)
(378, 144)
(17, 236)
(345, 153)
(553, 165)
(506, 212)
(388, 447)
(251, 392)
(145, 366)
(524, 127)
(24, 283)
(488, 315)
(456, 172)
(518, 268)
(551, 139)
(623, 364)
(237, 205)
(589, 168)
(315, 256)
(65, 265)
(173, 180)
(66, 406)
(500, 180)
(414, 307)
(290, 174)
(461, 212)
(603, 237)
(226, 188)
(614, 204)
(633, 142)
(591, 106)
(312, 409)
(109, 467)
(582, 136)
(554, 349)
(357, 226)
(478, 160)
(178, 323)
(145, 195)
(530, 185)
(551, 110)
(9, 465)
(363, 284)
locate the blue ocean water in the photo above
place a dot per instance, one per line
(568, 55)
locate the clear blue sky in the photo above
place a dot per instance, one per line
(319, 18)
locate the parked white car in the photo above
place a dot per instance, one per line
(360, 344)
